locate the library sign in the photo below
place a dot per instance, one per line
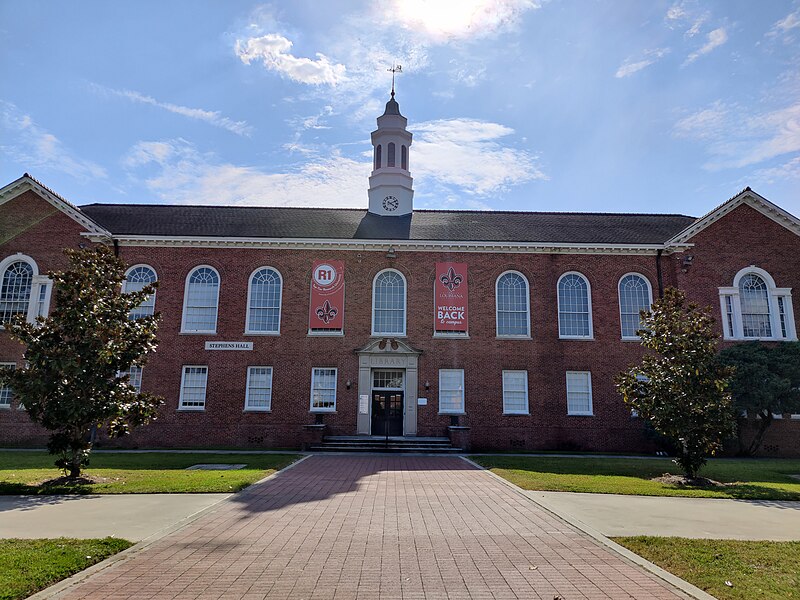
(451, 310)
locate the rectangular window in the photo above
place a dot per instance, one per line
(451, 391)
(135, 377)
(579, 393)
(258, 395)
(323, 390)
(193, 388)
(5, 392)
(782, 316)
(515, 392)
(729, 314)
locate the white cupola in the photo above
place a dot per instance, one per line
(390, 185)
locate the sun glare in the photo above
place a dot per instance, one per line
(458, 18)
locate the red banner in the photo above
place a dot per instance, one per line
(327, 295)
(450, 297)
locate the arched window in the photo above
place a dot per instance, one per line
(574, 307)
(634, 296)
(201, 300)
(404, 157)
(378, 156)
(755, 308)
(264, 301)
(513, 304)
(137, 278)
(15, 290)
(389, 303)
(390, 155)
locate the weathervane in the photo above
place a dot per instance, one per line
(395, 69)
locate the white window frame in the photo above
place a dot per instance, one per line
(335, 389)
(38, 282)
(405, 304)
(247, 329)
(619, 298)
(130, 377)
(6, 389)
(125, 282)
(526, 410)
(181, 407)
(773, 293)
(588, 305)
(186, 301)
(463, 393)
(518, 336)
(580, 413)
(247, 406)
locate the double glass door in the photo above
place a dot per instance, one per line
(387, 402)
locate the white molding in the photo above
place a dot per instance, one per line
(335, 390)
(588, 306)
(405, 305)
(383, 245)
(125, 281)
(463, 409)
(773, 293)
(186, 300)
(37, 282)
(261, 409)
(181, 407)
(747, 196)
(247, 330)
(517, 336)
(527, 410)
(632, 338)
(590, 413)
(25, 183)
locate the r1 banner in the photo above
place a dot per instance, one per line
(327, 295)
(450, 297)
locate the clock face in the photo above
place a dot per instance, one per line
(390, 203)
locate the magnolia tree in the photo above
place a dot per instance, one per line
(766, 383)
(76, 358)
(679, 386)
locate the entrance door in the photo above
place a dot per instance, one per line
(387, 413)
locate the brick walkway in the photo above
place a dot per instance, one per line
(376, 527)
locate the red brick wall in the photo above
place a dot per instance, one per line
(718, 256)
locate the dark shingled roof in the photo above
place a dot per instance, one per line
(348, 224)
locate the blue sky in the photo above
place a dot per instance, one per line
(603, 105)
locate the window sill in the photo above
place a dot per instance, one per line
(257, 410)
(513, 337)
(387, 335)
(451, 336)
(4, 407)
(449, 413)
(187, 409)
(632, 339)
(516, 414)
(758, 339)
(581, 414)
(197, 333)
(322, 411)
(577, 338)
(263, 333)
(332, 333)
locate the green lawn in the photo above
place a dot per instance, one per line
(27, 566)
(146, 473)
(756, 570)
(761, 479)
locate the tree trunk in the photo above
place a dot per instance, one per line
(766, 421)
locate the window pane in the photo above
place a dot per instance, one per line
(755, 306)
(193, 392)
(15, 290)
(451, 390)
(579, 393)
(634, 297)
(259, 388)
(387, 379)
(390, 304)
(265, 301)
(323, 389)
(134, 377)
(5, 392)
(512, 305)
(137, 279)
(201, 300)
(782, 315)
(573, 306)
(515, 391)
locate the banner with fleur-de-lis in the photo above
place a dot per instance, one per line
(326, 310)
(450, 297)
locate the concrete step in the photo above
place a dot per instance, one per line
(389, 449)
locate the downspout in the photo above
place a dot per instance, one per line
(116, 253)
(659, 274)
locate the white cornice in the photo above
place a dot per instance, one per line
(384, 245)
(25, 183)
(748, 197)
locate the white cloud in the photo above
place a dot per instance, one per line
(633, 65)
(787, 171)
(714, 40)
(443, 21)
(468, 154)
(737, 138)
(786, 26)
(457, 157)
(273, 50)
(214, 118)
(676, 12)
(35, 147)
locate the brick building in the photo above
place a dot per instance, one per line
(505, 328)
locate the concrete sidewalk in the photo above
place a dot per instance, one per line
(619, 515)
(129, 516)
